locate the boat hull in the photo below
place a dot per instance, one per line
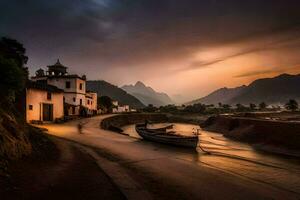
(160, 137)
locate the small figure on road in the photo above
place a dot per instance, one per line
(79, 127)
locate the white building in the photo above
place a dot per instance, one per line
(75, 98)
(91, 102)
(43, 102)
(115, 103)
(119, 108)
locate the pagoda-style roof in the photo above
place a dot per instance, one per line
(57, 69)
(40, 73)
(57, 64)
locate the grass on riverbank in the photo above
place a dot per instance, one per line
(19, 140)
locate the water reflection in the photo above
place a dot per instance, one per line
(236, 158)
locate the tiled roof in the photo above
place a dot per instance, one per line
(43, 86)
(61, 76)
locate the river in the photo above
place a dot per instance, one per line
(282, 172)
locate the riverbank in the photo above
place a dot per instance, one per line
(279, 134)
(116, 122)
(19, 140)
(280, 137)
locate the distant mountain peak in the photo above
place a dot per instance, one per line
(147, 95)
(139, 84)
(104, 88)
(285, 75)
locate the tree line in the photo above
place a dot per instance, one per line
(13, 74)
(291, 105)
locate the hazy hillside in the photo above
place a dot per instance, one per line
(223, 95)
(271, 90)
(147, 95)
(277, 90)
(104, 88)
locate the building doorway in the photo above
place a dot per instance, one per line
(47, 112)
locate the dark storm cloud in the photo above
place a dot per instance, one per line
(129, 32)
(59, 21)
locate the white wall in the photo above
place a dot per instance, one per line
(121, 109)
(36, 98)
(78, 82)
(73, 92)
(69, 99)
(60, 82)
(92, 98)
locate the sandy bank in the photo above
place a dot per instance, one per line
(275, 133)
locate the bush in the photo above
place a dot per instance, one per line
(291, 105)
(12, 77)
(13, 74)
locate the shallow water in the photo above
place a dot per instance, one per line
(238, 158)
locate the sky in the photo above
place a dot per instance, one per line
(181, 47)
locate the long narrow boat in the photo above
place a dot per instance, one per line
(165, 137)
(160, 129)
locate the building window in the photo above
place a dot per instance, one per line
(74, 99)
(30, 107)
(48, 95)
(80, 86)
(88, 102)
(73, 110)
(68, 84)
(80, 101)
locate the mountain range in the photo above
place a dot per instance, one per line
(104, 88)
(277, 90)
(147, 95)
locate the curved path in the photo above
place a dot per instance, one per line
(157, 171)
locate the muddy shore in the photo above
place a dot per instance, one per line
(281, 137)
(257, 131)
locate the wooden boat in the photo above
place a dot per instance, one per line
(160, 129)
(165, 137)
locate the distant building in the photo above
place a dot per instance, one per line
(124, 108)
(91, 102)
(120, 108)
(44, 102)
(115, 103)
(76, 100)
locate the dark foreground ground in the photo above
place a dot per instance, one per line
(67, 173)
